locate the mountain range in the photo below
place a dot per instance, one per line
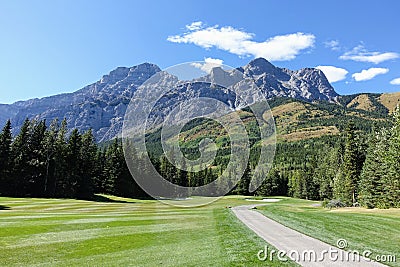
(102, 105)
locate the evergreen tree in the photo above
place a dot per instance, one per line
(112, 168)
(122, 181)
(328, 162)
(49, 150)
(37, 164)
(298, 184)
(374, 170)
(347, 183)
(99, 176)
(340, 187)
(88, 151)
(119, 180)
(270, 186)
(311, 190)
(242, 187)
(130, 155)
(72, 176)
(5, 159)
(391, 181)
(20, 160)
(61, 166)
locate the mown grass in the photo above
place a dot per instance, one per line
(60, 232)
(363, 229)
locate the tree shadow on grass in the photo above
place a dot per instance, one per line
(4, 207)
(99, 198)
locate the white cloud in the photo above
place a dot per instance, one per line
(194, 26)
(238, 42)
(333, 44)
(333, 74)
(395, 81)
(368, 74)
(359, 53)
(209, 64)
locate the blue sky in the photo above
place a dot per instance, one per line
(50, 47)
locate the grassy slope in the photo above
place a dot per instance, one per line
(386, 102)
(297, 120)
(390, 100)
(362, 102)
(287, 119)
(375, 230)
(52, 232)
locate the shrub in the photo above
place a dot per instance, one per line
(334, 203)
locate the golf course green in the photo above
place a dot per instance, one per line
(124, 232)
(129, 232)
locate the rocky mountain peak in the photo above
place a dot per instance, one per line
(135, 72)
(115, 75)
(102, 105)
(311, 73)
(259, 66)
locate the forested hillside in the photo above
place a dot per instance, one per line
(324, 151)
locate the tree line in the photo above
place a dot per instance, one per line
(355, 168)
(46, 161)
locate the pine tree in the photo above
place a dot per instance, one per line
(270, 186)
(99, 177)
(50, 149)
(346, 185)
(311, 190)
(61, 168)
(37, 164)
(20, 161)
(328, 163)
(298, 184)
(391, 181)
(340, 187)
(70, 185)
(87, 155)
(121, 187)
(117, 176)
(130, 155)
(5, 159)
(374, 170)
(242, 187)
(112, 168)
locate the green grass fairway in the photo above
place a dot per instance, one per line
(374, 230)
(54, 232)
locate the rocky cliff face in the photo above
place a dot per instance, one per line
(306, 84)
(102, 105)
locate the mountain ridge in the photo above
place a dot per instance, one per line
(101, 105)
